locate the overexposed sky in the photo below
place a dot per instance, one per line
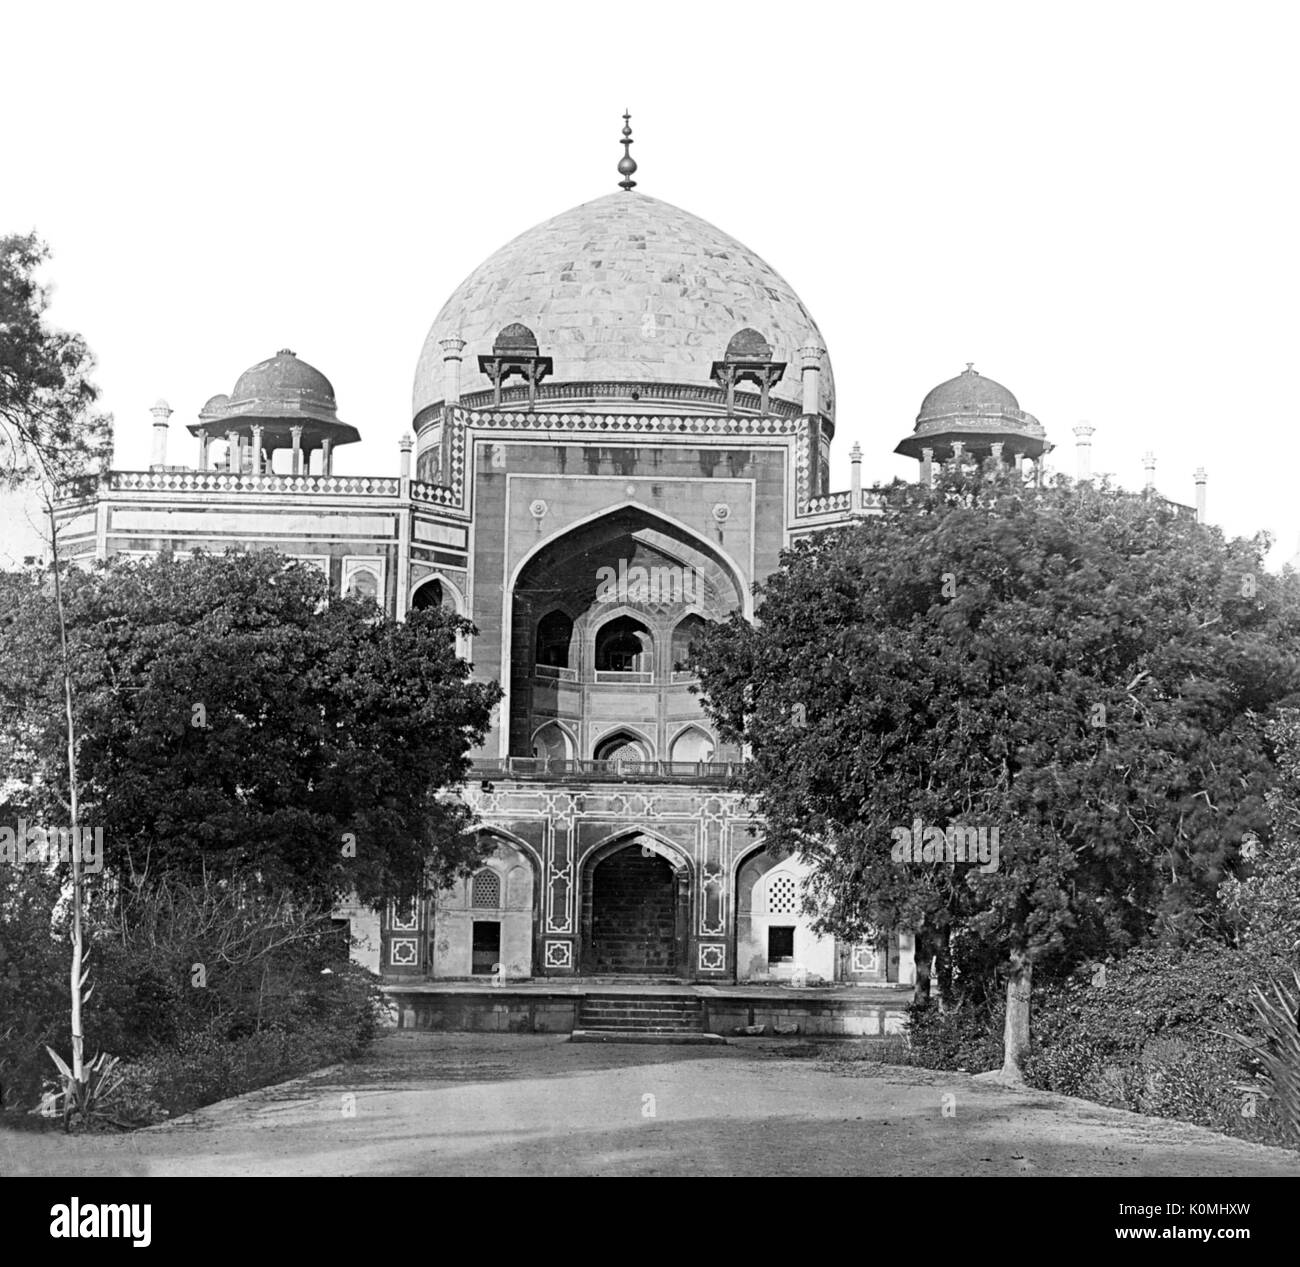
(1096, 203)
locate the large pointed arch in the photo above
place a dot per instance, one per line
(545, 575)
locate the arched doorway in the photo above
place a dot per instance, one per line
(635, 911)
(485, 924)
(775, 940)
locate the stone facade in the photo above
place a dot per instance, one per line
(590, 491)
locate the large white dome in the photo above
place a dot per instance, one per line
(625, 289)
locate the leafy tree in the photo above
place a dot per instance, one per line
(49, 432)
(49, 429)
(1262, 905)
(1081, 670)
(234, 722)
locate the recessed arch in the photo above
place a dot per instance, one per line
(569, 570)
(449, 594)
(651, 935)
(623, 644)
(622, 837)
(553, 645)
(623, 744)
(701, 542)
(555, 741)
(692, 743)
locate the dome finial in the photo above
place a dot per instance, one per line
(970, 367)
(627, 164)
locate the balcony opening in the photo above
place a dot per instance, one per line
(690, 629)
(554, 637)
(623, 646)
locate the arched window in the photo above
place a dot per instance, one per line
(363, 583)
(429, 595)
(485, 890)
(622, 746)
(693, 744)
(554, 634)
(690, 629)
(551, 743)
(623, 646)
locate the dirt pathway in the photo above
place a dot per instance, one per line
(438, 1104)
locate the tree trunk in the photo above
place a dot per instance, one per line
(922, 954)
(76, 976)
(1015, 1038)
(943, 969)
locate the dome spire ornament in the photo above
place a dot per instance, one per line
(627, 164)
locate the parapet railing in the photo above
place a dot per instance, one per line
(617, 771)
(229, 482)
(829, 503)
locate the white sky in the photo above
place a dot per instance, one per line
(1096, 203)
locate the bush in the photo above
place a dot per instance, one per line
(211, 1064)
(1153, 1037)
(968, 1037)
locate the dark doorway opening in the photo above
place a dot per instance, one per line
(634, 913)
(780, 943)
(486, 951)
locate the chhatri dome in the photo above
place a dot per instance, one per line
(633, 296)
(972, 416)
(279, 403)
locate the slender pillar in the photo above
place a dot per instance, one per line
(403, 600)
(1083, 450)
(327, 456)
(958, 456)
(1200, 494)
(232, 455)
(995, 450)
(927, 467)
(257, 448)
(204, 440)
(451, 356)
(161, 412)
(855, 477)
(1149, 461)
(810, 366)
(296, 433)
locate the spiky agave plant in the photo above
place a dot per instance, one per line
(83, 1100)
(1276, 1052)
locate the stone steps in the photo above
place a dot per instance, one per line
(637, 1015)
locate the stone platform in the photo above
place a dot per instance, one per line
(550, 1006)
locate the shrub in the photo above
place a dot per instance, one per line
(1149, 1038)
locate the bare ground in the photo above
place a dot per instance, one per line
(487, 1104)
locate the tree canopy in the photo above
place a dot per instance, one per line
(48, 424)
(232, 721)
(1084, 670)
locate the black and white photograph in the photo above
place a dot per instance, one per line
(666, 591)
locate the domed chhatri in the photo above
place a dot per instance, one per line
(969, 393)
(283, 386)
(279, 403)
(631, 296)
(971, 416)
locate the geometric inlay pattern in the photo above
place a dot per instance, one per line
(559, 954)
(403, 952)
(713, 957)
(405, 919)
(863, 959)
